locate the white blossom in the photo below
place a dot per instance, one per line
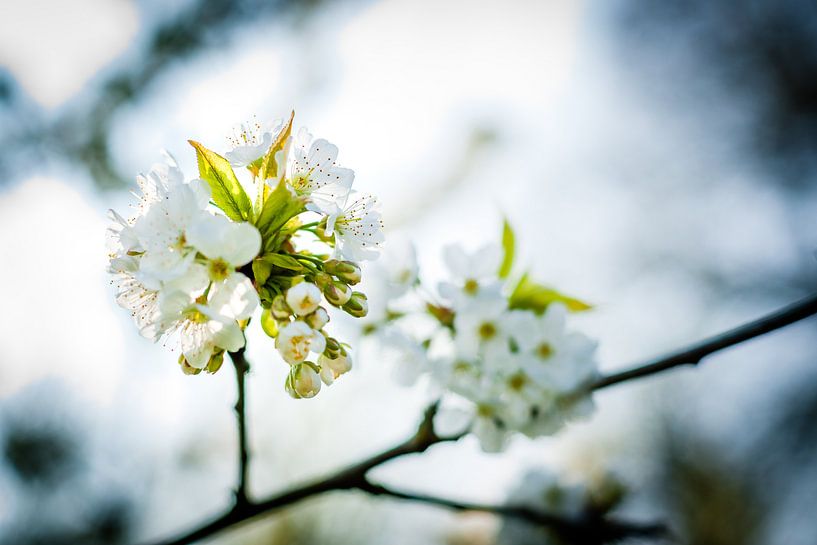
(314, 173)
(473, 275)
(358, 229)
(303, 298)
(296, 340)
(250, 141)
(210, 324)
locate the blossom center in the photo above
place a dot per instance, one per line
(219, 269)
(544, 351)
(487, 331)
(471, 287)
(517, 382)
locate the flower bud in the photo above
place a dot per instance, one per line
(303, 381)
(216, 360)
(303, 298)
(337, 293)
(333, 348)
(358, 305)
(187, 369)
(332, 368)
(279, 308)
(322, 280)
(347, 271)
(317, 319)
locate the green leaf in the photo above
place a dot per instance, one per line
(262, 266)
(529, 295)
(269, 163)
(261, 270)
(508, 249)
(225, 187)
(281, 205)
(285, 262)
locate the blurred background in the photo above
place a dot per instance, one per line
(656, 158)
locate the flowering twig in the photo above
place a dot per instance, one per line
(241, 368)
(584, 530)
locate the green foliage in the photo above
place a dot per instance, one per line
(530, 295)
(265, 265)
(508, 250)
(225, 187)
(268, 165)
(280, 206)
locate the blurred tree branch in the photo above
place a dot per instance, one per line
(583, 530)
(694, 354)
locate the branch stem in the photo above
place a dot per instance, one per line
(693, 355)
(241, 366)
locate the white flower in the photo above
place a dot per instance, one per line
(358, 229)
(407, 356)
(227, 245)
(481, 330)
(474, 275)
(250, 141)
(303, 298)
(400, 268)
(315, 174)
(296, 340)
(555, 356)
(163, 229)
(331, 369)
(204, 327)
(488, 427)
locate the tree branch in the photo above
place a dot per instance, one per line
(242, 366)
(582, 530)
(591, 528)
(694, 354)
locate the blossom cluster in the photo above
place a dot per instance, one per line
(196, 258)
(500, 350)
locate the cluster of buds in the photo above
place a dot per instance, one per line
(296, 320)
(198, 257)
(501, 348)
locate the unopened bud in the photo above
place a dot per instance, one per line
(337, 293)
(280, 309)
(215, 362)
(333, 348)
(348, 271)
(318, 319)
(268, 323)
(322, 280)
(357, 305)
(303, 381)
(187, 369)
(332, 368)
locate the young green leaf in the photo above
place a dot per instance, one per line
(529, 295)
(281, 205)
(225, 187)
(508, 250)
(270, 162)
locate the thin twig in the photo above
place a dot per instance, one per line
(241, 368)
(697, 352)
(582, 530)
(586, 529)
